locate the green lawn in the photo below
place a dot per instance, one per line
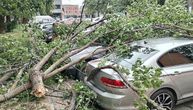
(16, 33)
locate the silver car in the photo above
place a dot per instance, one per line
(173, 55)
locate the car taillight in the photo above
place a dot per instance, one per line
(112, 82)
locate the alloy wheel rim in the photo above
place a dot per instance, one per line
(164, 100)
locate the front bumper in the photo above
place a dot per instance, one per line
(112, 101)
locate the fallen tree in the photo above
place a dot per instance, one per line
(144, 20)
(36, 81)
(36, 74)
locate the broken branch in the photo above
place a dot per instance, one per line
(28, 85)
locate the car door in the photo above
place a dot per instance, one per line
(179, 64)
(182, 77)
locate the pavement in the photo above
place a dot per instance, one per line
(58, 97)
(185, 106)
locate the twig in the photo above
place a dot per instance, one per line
(10, 70)
(54, 96)
(79, 22)
(17, 79)
(77, 33)
(60, 103)
(6, 76)
(53, 88)
(73, 100)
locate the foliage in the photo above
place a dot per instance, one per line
(62, 29)
(106, 6)
(17, 10)
(85, 97)
(147, 19)
(143, 79)
(144, 19)
(14, 49)
(24, 8)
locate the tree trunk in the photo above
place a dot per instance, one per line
(16, 91)
(2, 24)
(24, 20)
(36, 79)
(8, 24)
(8, 19)
(38, 88)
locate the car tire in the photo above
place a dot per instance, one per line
(165, 98)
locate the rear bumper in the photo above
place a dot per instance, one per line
(111, 101)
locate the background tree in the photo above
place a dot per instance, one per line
(144, 19)
(22, 9)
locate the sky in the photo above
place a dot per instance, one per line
(72, 2)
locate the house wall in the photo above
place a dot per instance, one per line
(71, 10)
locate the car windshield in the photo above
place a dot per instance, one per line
(137, 52)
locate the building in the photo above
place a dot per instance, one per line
(57, 11)
(64, 9)
(71, 11)
(190, 4)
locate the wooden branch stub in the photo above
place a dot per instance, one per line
(36, 80)
(38, 88)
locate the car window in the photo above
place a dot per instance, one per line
(137, 52)
(178, 56)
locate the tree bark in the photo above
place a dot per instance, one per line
(7, 74)
(24, 20)
(38, 88)
(2, 24)
(28, 85)
(66, 56)
(73, 101)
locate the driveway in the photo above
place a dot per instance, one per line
(185, 106)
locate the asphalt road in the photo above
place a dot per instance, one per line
(185, 106)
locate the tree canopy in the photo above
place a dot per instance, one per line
(25, 8)
(22, 9)
(144, 19)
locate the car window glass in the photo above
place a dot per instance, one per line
(137, 52)
(178, 56)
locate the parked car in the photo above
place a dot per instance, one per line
(173, 55)
(42, 19)
(46, 26)
(73, 71)
(47, 29)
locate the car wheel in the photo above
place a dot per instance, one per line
(164, 98)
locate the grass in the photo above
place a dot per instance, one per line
(18, 32)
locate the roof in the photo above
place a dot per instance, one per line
(163, 44)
